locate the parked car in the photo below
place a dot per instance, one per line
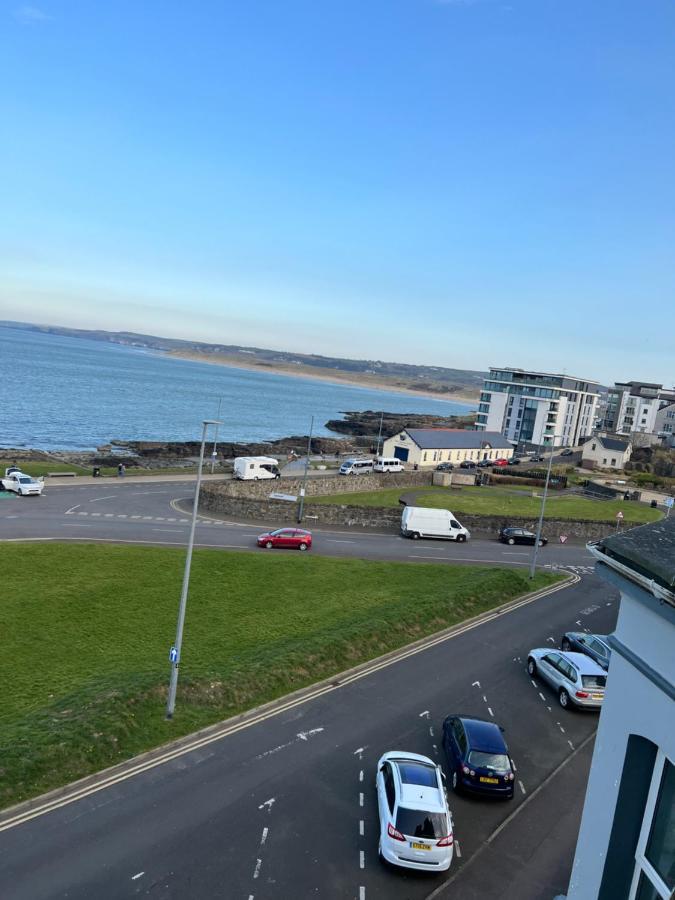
(577, 679)
(478, 758)
(500, 462)
(484, 463)
(593, 645)
(292, 538)
(415, 822)
(567, 452)
(520, 536)
(445, 467)
(537, 458)
(467, 464)
(514, 461)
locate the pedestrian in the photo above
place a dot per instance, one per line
(121, 470)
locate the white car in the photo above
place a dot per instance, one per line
(576, 678)
(415, 822)
(22, 484)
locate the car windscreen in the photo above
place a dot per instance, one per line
(421, 824)
(414, 773)
(594, 681)
(25, 480)
(483, 760)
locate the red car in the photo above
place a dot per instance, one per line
(500, 462)
(294, 538)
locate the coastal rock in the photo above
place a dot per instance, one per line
(367, 424)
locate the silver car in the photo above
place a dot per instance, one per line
(576, 678)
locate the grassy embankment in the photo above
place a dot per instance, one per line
(495, 501)
(87, 629)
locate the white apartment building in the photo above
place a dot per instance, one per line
(664, 424)
(633, 406)
(538, 407)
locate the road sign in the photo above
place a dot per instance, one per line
(563, 538)
(290, 497)
(619, 515)
(173, 655)
(668, 502)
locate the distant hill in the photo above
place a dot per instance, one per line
(458, 383)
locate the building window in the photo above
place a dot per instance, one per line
(613, 461)
(654, 874)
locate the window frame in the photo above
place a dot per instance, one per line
(642, 864)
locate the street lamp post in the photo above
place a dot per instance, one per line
(176, 649)
(379, 434)
(214, 454)
(301, 505)
(537, 538)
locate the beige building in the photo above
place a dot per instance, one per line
(430, 446)
(603, 452)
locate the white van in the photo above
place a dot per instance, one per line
(421, 521)
(388, 464)
(254, 468)
(356, 467)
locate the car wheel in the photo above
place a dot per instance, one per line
(511, 541)
(531, 667)
(269, 545)
(564, 698)
(415, 535)
(302, 546)
(566, 644)
(541, 543)
(461, 538)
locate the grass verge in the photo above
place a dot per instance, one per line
(87, 629)
(503, 502)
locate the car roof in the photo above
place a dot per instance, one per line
(483, 735)
(582, 662)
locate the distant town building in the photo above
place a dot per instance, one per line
(537, 407)
(605, 452)
(633, 406)
(626, 845)
(664, 424)
(429, 446)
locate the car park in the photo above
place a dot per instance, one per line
(290, 538)
(577, 679)
(509, 535)
(445, 467)
(500, 462)
(415, 822)
(478, 758)
(467, 464)
(594, 645)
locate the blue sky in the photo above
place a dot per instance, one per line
(458, 183)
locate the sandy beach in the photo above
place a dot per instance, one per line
(332, 376)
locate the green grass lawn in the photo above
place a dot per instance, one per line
(86, 632)
(502, 501)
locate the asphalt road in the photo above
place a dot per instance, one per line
(158, 512)
(286, 808)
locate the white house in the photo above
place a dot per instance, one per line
(430, 446)
(626, 845)
(603, 452)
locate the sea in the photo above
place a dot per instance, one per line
(66, 393)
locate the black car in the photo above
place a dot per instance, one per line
(467, 464)
(594, 645)
(567, 452)
(445, 467)
(520, 536)
(537, 459)
(478, 758)
(514, 461)
(483, 463)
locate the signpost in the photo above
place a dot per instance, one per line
(619, 519)
(173, 655)
(668, 503)
(563, 538)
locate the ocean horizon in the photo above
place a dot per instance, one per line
(67, 393)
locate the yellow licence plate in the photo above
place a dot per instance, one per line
(420, 846)
(489, 780)
(597, 696)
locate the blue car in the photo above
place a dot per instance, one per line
(478, 758)
(593, 645)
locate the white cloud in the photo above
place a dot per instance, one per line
(31, 15)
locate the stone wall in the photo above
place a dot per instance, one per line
(275, 512)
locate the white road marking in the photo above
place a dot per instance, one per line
(431, 731)
(424, 713)
(542, 696)
(361, 775)
(522, 787)
(256, 871)
(561, 728)
(362, 859)
(96, 499)
(73, 508)
(98, 514)
(458, 849)
(484, 699)
(137, 875)
(134, 517)
(168, 530)
(360, 799)
(491, 713)
(268, 804)
(160, 519)
(121, 515)
(514, 766)
(552, 640)
(578, 623)
(514, 553)
(435, 748)
(475, 684)
(109, 515)
(333, 541)
(361, 827)
(75, 525)
(413, 556)
(359, 752)
(265, 832)
(571, 744)
(362, 893)
(303, 735)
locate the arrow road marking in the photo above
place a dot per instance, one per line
(475, 684)
(268, 803)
